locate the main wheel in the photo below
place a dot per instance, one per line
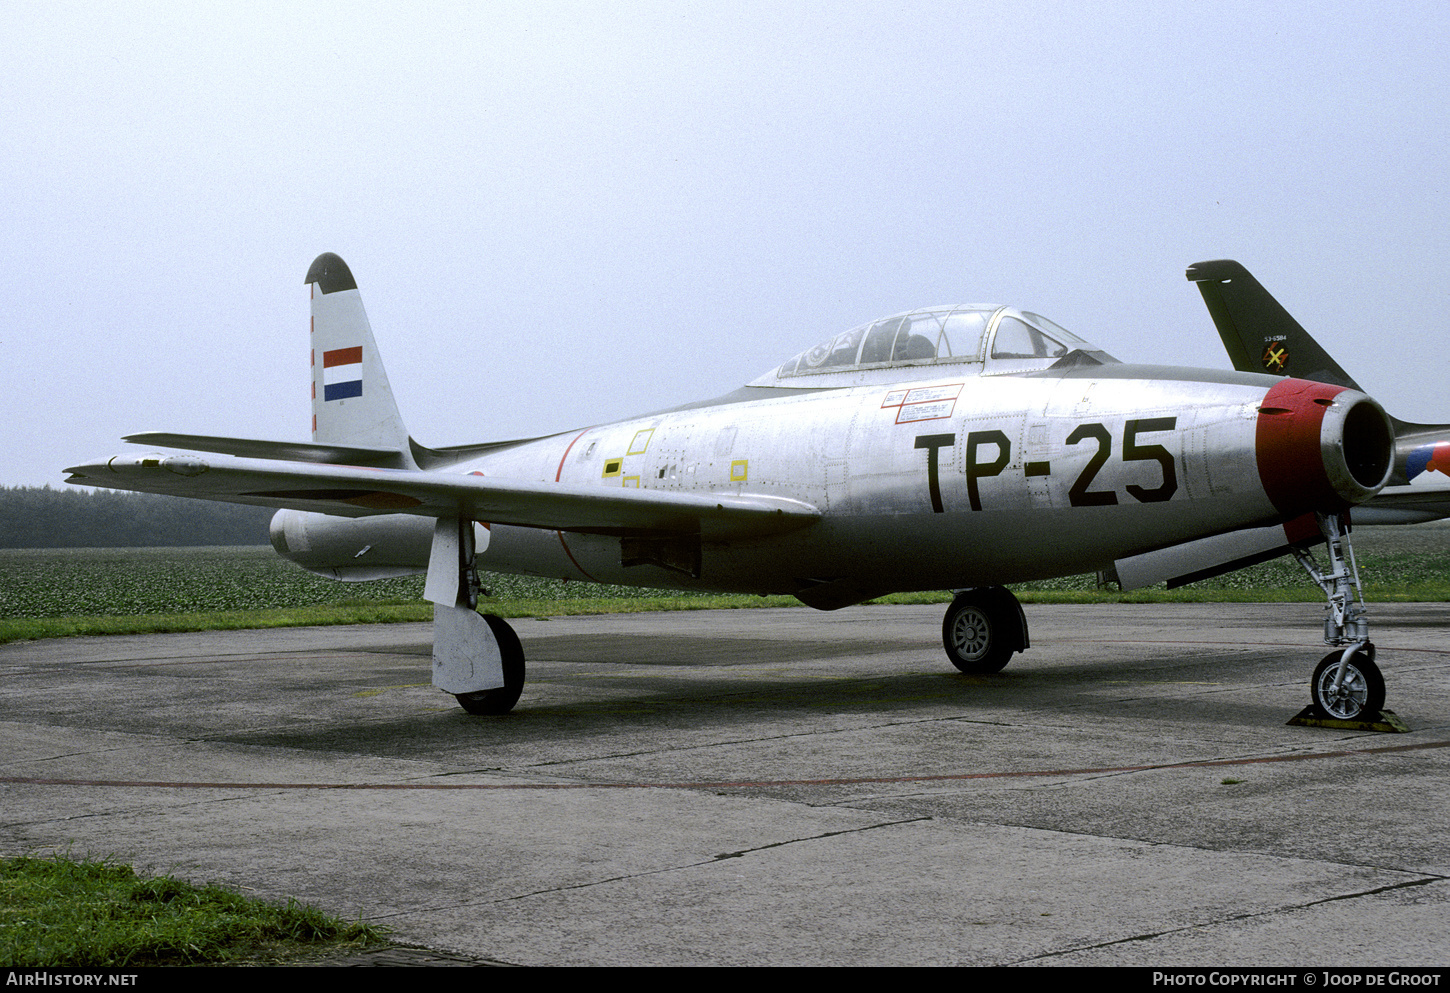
(981, 630)
(501, 700)
(1361, 695)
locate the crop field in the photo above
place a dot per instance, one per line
(62, 582)
(1404, 563)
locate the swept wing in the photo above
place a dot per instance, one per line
(354, 491)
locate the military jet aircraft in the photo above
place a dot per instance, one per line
(952, 447)
(1261, 336)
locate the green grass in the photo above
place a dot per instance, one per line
(75, 913)
(48, 593)
(356, 612)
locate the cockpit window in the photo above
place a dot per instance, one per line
(837, 353)
(933, 336)
(1060, 332)
(1019, 340)
(962, 334)
(882, 339)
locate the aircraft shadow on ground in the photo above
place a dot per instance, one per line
(566, 702)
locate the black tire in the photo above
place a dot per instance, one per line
(1362, 694)
(501, 700)
(982, 629)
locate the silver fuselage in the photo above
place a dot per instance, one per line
(939, 483)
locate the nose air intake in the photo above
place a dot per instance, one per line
(1321, 447)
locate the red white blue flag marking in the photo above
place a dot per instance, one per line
(342, 373)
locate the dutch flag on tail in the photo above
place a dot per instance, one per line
(342, 373)
(342, 354)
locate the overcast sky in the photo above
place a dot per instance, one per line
(565, 213)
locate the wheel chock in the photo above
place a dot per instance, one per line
(1387, 722)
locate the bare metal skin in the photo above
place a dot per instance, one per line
(948, 448)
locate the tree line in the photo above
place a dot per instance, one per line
(73, 517)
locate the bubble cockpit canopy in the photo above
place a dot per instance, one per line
(933, 342)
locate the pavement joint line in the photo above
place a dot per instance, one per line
(817, 837)
(726, 856)
(732, 784)
(1272, 912)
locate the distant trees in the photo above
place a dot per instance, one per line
(41, 517)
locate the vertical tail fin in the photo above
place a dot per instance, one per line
(1259, 334)
(352, 403)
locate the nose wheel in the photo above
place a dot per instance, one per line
(1352, 691)
(1346, 685)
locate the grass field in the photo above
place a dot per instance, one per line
(77, 913)
(55, 592)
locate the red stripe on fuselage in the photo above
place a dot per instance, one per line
(565, 545)
(558, 474)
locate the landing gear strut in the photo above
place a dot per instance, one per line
(476, 657)
(982, 628)
(1346, 685)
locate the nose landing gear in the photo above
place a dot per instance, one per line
(1346, 685)
(1345, 689)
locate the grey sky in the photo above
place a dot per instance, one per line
(565, 213)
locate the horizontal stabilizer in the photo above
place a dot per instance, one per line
(359, 492)
(286, 451)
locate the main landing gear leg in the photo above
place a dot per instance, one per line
(1347, 685)
(476, 657)
(982, 628)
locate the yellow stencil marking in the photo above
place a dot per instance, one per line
(737, 470)
(613, 467)
(640, 442)
(631, 481)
